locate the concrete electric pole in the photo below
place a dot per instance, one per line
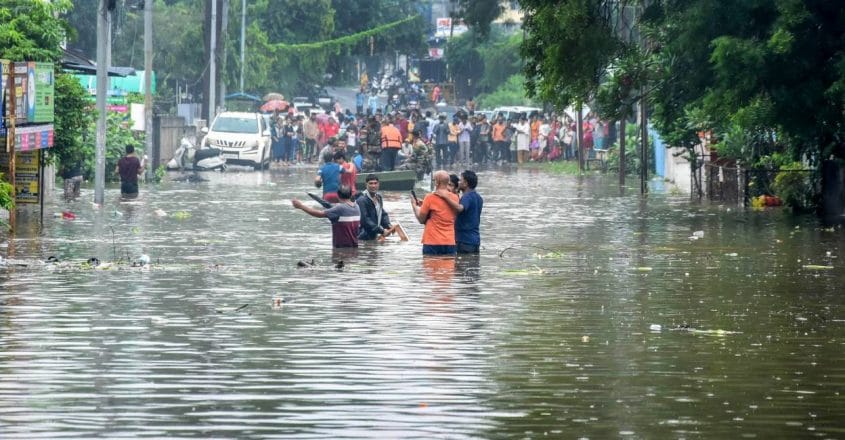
(148, 83)
(103, 14)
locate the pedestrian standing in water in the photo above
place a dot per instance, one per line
(345, 217)
(468, 210)
(439, 219)
(129, 167)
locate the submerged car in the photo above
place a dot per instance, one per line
(242, 137)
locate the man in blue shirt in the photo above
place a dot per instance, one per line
(328, 176)
(360, 97)
(468, 221)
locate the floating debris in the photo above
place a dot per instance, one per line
(302, 263)
(160, 213)
(816, 267)
(231, 309)
(719, 332)
(181, 215)
(655, 327)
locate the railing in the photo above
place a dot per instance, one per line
(736, 185)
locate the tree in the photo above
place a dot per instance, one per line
(31, 31)
(568, 47)
(479, 14)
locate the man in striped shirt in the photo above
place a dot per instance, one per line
(345, 217)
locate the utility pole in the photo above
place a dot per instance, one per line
(148, 82)
(643, 143)
(243, 41)
(579, 133)
(212, 65)
(102, 89)
(622, 149)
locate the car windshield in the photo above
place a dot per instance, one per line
(231, 124)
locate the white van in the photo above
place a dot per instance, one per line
(243, 138)
(512, 112)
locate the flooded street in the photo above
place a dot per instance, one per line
(591, 313)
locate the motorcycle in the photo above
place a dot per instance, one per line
(189, 157)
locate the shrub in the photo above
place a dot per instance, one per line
(794, 185)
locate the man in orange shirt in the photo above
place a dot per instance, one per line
(500, 149)
(391, 142)
(438, 217)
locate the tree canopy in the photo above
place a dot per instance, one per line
(769, 73)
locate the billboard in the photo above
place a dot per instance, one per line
(33, 137)
(27, 183)
(41, 92)
(444, 28)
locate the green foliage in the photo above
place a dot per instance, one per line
(479, 14)
(466, 66)
(7, 194)
(794, 186)
(632, 152)
(568, 46)
(512, 92)
(160, 172)
(31, 31)
(508, 62)
(73, 117)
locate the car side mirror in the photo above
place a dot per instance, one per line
(204, 130)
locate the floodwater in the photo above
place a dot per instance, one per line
(591, 313)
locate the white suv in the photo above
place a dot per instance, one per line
(243, 138)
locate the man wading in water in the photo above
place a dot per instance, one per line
(129, 167)
(345, 217)
(375, 223)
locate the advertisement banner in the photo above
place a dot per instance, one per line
(19, 73)
(443, 28)
(27, 185)
(33, 137)
(41, 90)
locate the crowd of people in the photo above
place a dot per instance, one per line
(451, 215)
(422, 140)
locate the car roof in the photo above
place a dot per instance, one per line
(239, 114)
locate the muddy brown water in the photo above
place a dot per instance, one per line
(590, 313)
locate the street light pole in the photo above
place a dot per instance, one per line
(212, 65)
(243, 40)
(148, 81)
(102, 90)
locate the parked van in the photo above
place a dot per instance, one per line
(243, 138)
(513, 112)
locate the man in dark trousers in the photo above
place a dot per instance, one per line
(129, 167)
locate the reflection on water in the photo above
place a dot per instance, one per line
(589, 313)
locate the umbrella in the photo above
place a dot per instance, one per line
(275, 104)
(274, 96)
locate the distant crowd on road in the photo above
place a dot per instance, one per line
(380, 139)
